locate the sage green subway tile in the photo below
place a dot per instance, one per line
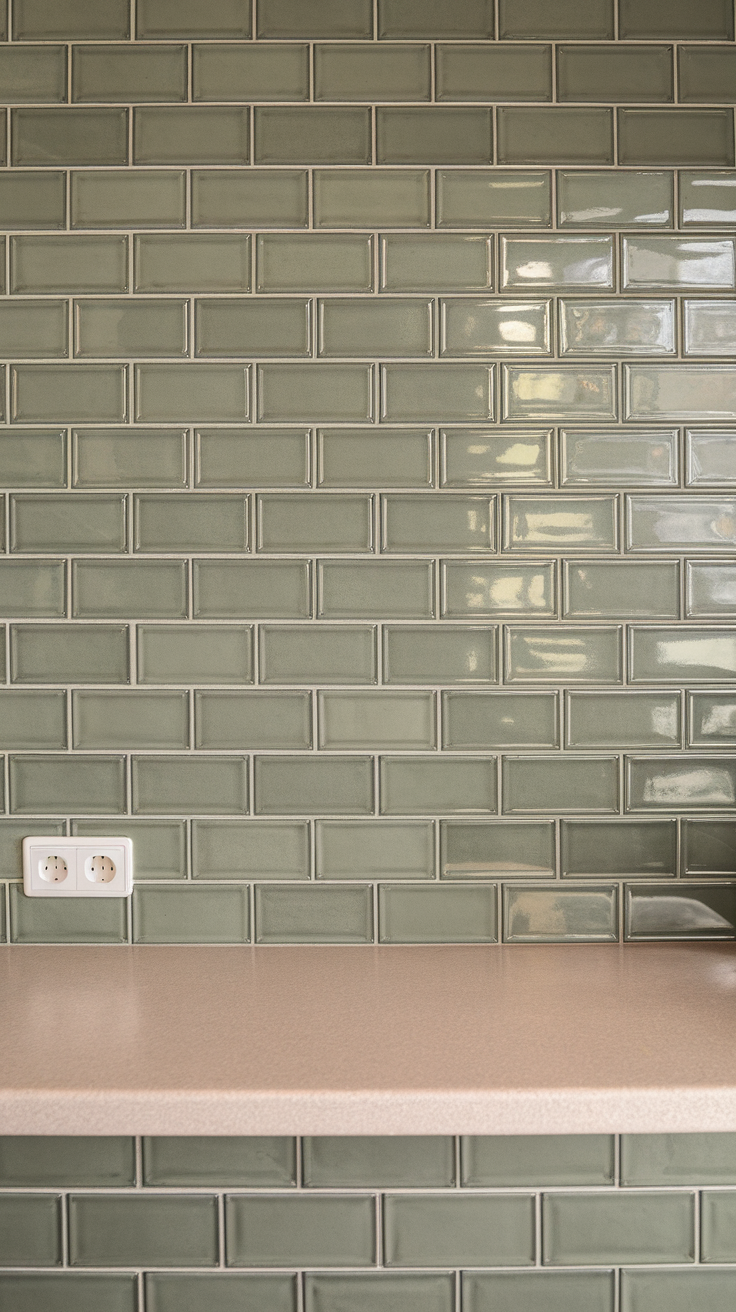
(566, 523)
(595, 1229)
(713, 20)
(145, 198)
(249, 1161)
(149, 457)
(129, 73)
(54, 785)
(314, 522)
(423, 786)
(355, 72)
(269, 457)
(441, 19)
(712, 719)
(33, 589)
(182, 785)
(675, 136)
(459, 1231)
(43, 20)
(325, 392)
(378, 1161)
(317, 654)
(313, 135)
(384, 589)
(255, 72)
(257, 589)
(46, 523)
(718, 1210)
(34, 73)
(191, 523)
(676, 654)
(492, 198)
(253, 719)
(69, 136)
(560, 915)
(555, 136)
(314, 19)
(143, 1230)
(619, 847)
(362, 457)
(224, 1292)
(598, 200)
(331, 1230)
(237, 849)
(375, 327)
(436, 263)
(557, 262)
(259, 198)
(710, 327)
(543, 655)
(573, 783)
(376, 720)
(623, 719)
(448, 914)
(487, 72)
(262, 327)
(617, 457)
(680, 523)
(150, 589)
(615, 72)
(160, 845)
(471, 456)
(184, 18)
(707, 198)
(37, 920)
(706, 74)
(495, 327)
(389, 198)
(130, 719)
(32, 720)
(680, 911)
(199, 392)
(443, 392)
(677, 1159)
(549, 1291)
(31, 1230)
(597, 589)
(420, 654)
(120, 328)
(502, 846)
(690, 783)
(177, 653)
(434, 136)
(33, 459)
(473, 590)
(192, 262)
(473, 720)
(52, 1161)
(69, 653)
(432, 523)
(12, 833)
(186, 914)
(68, 263)
(678, 262)
(313, 262)
(47, 393)
(33, 200)
(290, 785)
(536, 392)
(676, 1291)
(619, 327)
(710, 847)
(568, 19)
(711, 589)
(375, 849)
(313, 915)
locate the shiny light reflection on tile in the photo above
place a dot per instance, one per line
(495, 327)
(561, 523)
(617, 327)
(589, 655)
(473, 457)
(680, 523)
(470, 588)
(710, 458)
(619, 458)
(536, 392)
(689, 783)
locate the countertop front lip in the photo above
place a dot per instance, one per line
(444, 1039)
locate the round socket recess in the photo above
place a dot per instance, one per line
(100, 869)
(53, 869)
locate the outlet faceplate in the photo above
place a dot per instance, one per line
(77, 867)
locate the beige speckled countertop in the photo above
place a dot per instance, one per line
(382, 1040)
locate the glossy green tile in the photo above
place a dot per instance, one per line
(375, 327)
(544, 655)
(502, 72)
(384, 589)
(47, 393)
(446, 523)
(310, 654)
(567, 915)
(313, 915)
(224, 1292)
(249, 1161)
(711, 589)
(471, 457)
(12, 833)
(31, 1226)
(178, 653)
(677, 1159)
(679, 655)
(107, 589)
(551, 1291)
(675, 136)
(141, 199)
(261, 327)
(536, 392)
(710, 327)
(142, 1230)
(594, 1229)
(55, 785)
(443, 392)
(438, 19)
(192, 262)
(355, 72)
(623, 719)
(492, 199)
(32, 720)
(69, 1293)
(706, 74)
(473, 589)
(33, 589)
(707, 198)
(566, 523)
(242, 458)
(314, 523)
(537, 1159)
(42, 20)
(555, 136)
(618, 847)
(314, 18)
(62, 523)
(712, 719)
(436, 263)
(69, 263)
(678, 262)
(368, 1293)
(680, 523)
(398, 457)
(420, 654)
(502, 846)
(376, 720)
(184, 18)
(182, 914)
(690, 783)
(459, 1231)
(34, 73)
(250, 72)
(425, 786)
(569, 19)
(121, 328)
(573, 783)
(376, 849)
(557, 262)
(51, 1161)
(620, 458)
(33, 329)
(288, 785)
(201, 392)
(255, 719)
(713, 19)
(473, 720)
(66, 653)
(229, 199)
(281, 1231)
(33, 200)
(495, 327)
(619, 72)
(236, 849)
(372, 198)
(620, 327)
(710, 847)
(159, 846)
(676, 1291)
(130, 719)
(323, 392)
(257, 589)
(38, 920)
(449, 914)
(33, 459)
(314, 135)
(718, 1211)
(125, 73)
(190, 523)
(182, 785)
(69, 136)
(680, 911)
(434, 136)
(598, 200)
(314, 262)
(150, 457)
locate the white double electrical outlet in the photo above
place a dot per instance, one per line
(77, 867)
